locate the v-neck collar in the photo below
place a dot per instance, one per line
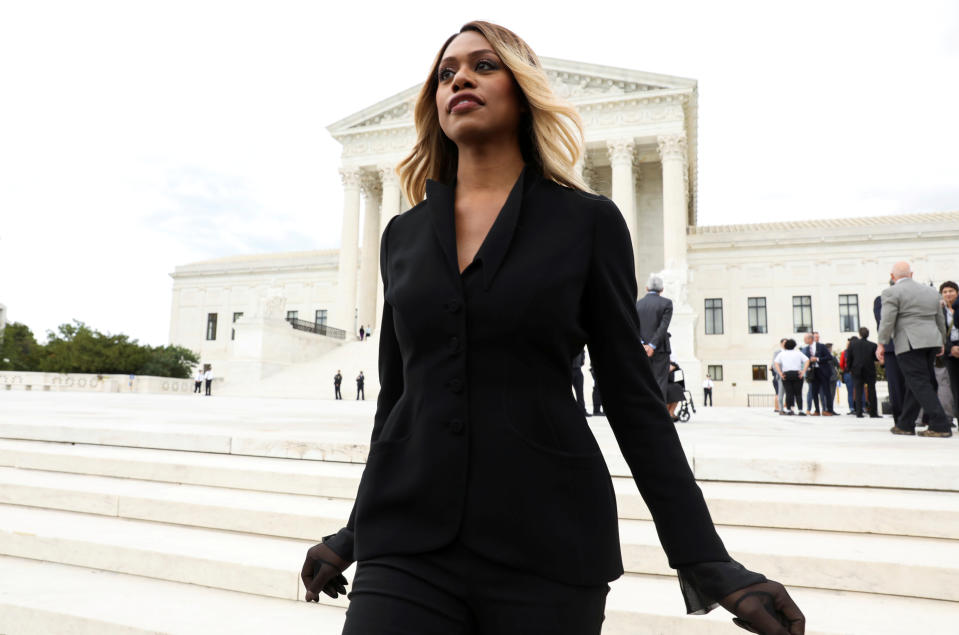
(441, 199)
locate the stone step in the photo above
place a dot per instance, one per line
(265, 565)
(892, 565)
(318, 478)
(45, 597)
(636, 605)
(649, 604)
(271, 514)
(888, 461)
(866, 510)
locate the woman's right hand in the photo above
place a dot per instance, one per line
(323, 571)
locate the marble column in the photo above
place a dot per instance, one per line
(621, 153)
(369, 254)
(672, 152)
(392, 199)
(349, 253)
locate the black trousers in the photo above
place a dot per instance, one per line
(209, 384)
(660, 363)
(578, 388)
(336, 390)
(360, 391)
(916, 366)
(455, 591)
(862, 380)
(793, 390)
(707, 394)
(896, 384)
(196, 386)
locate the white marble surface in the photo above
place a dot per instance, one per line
(88, 605)
(727, 444)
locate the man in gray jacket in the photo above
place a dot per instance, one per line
(911, 318)
(655, 313)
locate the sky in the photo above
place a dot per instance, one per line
(136, 136)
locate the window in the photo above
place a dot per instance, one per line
(757, 315)
(236, 316)
(802, 313)
(292, 315)
(714, 316)
(849, 313)
(211, 326)
(715, 372)
(320, 317)
(759, 372)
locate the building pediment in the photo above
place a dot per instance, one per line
(576, 81)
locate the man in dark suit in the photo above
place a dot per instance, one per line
(655, 313)
(577, 370)
(337, 381)
(894, 379)
(862, 364)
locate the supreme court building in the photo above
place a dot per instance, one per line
(736, 289)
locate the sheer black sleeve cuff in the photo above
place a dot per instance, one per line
(341, 543)
(706, 583)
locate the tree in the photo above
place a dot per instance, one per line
(19, 346)
(77, 348)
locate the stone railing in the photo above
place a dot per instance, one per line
(82, 382)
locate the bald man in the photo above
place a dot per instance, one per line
(911, 319)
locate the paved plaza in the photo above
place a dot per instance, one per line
(202, 509)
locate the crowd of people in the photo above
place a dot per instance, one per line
(917, 334)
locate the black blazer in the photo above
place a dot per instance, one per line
(477, 434)
(655, 313)
(861, 358)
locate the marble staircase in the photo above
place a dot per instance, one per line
(116, 525)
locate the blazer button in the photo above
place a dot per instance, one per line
(453, 305)
(455, 426)
(455, 385)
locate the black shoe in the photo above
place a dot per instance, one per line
(898, 430)
(801, 413)
(935, 433)
(859, 415)
(875, 416)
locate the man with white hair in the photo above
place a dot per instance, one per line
(654, 313)
(912, 320)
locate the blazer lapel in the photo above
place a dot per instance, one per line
(439, 201)
(497, 241)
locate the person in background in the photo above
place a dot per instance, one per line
(777, 382)
(912, 316)
(825, 358)
(198, 381)
(337, 380)
(949, 291)
(577, 371)
(894, 379)
(707, 391)
(861, 359)
(362, 333)
(812, 377)
(847, 376)
(655, 312)
(791, 365)
(208, 379)
(597, 396)
(360, 380)
(835, 379)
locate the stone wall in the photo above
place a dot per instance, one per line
(83, 382)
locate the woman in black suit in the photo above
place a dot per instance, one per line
(486, 506)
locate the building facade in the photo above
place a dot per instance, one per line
(736, 289)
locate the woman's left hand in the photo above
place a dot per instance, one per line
(765, 608)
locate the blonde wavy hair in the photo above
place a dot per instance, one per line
(551, 132)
